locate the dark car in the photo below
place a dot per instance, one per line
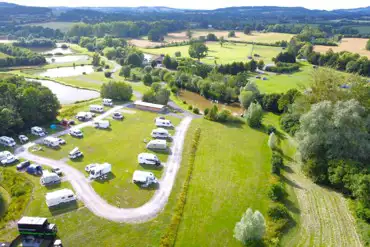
(23, 165)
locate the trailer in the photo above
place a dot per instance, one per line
(36, 227)
(144, 178)
(49, 178)
(157, 145)
(75, 153)
(100, 170)
(7, 158)
(148, 159)
(102, 124)
(160, 122)
(59, 197)
(51, 142)
(84, 116)
(38, 131)
(7, 141)
(96, 108)
(160, 133)
(108, 102)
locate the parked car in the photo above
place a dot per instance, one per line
(23, 138)
(117, 116)
(75, 153)
(23, 165)
(38, 131)
(57, 171)
(76, 133)
(61, 141)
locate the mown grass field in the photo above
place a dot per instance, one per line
(230, 52)
(119, 147)
(62, 26)
(231, 173)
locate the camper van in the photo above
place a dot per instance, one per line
(100, 170)
(160, 122)
(7, 157)
(102, 124)
(7, 141)
(49, 178)
(108, 102)
(75, 154)
(157, 144)
(60, 196)
(148, 159)
(51, 142)
(144, 178)
(160, 133)
(96, 108)
(76, 133)
(23, 138)
(84, 116)
(38, 131)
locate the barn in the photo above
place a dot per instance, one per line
(149, 106)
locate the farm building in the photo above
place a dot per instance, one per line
(149, 106)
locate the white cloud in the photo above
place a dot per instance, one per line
(202, 4)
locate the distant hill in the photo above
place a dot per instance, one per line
(10, 12)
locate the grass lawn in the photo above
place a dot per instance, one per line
(62, 26)
(231, 173)
(79, 227)
(4, 201)
(229, 53)
(120, 147)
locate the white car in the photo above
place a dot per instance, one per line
(76, 133)
(89, 167)
(61, 141)
(23, 138)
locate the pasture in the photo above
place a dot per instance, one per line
(62, 26)
(228, 53)
(356, 45)
(118, 146)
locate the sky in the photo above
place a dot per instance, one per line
(199, 4)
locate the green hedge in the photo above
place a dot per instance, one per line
(169, 237)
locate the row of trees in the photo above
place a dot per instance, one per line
(25, 104)
(18, 31)
(35, 43)
(17, 56)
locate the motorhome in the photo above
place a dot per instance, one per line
(159, 122)
(157, 144)
(36, 227)
(75, 154)
(144, 178)
(51, 142)
(160, 133)
(60, 196)
(148, 159)
(100, 170)
(102, 124)
(108, 102)
(7, 157)
(76, 133)
(84, 116)
(96, 108)
(38, 131)
(49, 178)
(7, 141)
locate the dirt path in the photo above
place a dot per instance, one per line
(324, 215)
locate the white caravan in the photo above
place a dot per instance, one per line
(7, 141)
(96, 108)
(102, 124)
(7, 157)
(38, 131)
(84, 116)
(49, 178)
(145, 178)
(160, 122)
(75, 153)
(108, 102)
(60, 196)
(157, 144)
(160, 133)
(100, 170)
(51, 142)
(148, 159)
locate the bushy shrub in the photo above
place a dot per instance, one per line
(278, 212)
(156, 79)
(190, 107)
(147, 79)
(271, 129)
(174, 90)
(107, 74)
(106, 66)
(116, 90)
(224, 116)
(206, 111)
(178, 54)
(195, 110)
(276, 192)
(276, 163)
(99, 69)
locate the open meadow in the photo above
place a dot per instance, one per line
(356, 45)
(62, 26)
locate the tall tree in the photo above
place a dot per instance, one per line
(251, 227)
(96, 60)
(198, 50)
(254, 115)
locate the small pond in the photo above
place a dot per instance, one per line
(67, 59)
(66, 94)
(67, 71)
(202, 103)
(58, 49)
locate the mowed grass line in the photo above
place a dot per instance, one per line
(119, 147)
(231, 172)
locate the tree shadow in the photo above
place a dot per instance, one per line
(150, 187)
(63, 208)
(162, 151)
(105, 178)
(232, 125)
(152, 167)
(291, 207)
(52, 186)
(287, 169)
(291, 183)
(78, 160)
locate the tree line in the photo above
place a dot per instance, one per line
(35, 43)
(18, 31)
(17, 56)
(24, 104)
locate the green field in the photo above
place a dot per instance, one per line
(3, 55)
(230, 52)
(119, 147)
(62, 26)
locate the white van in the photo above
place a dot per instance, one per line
(7, 141)
(51, 142)
(96, 108)
(60, 196)
(38, 131)
(145, 178)
(159, 122)
(7, 157)
(160, 133)
(108, 102)
(100, 170)
(102, 124)
(157, 144)
(49, 178)
(148, 159)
